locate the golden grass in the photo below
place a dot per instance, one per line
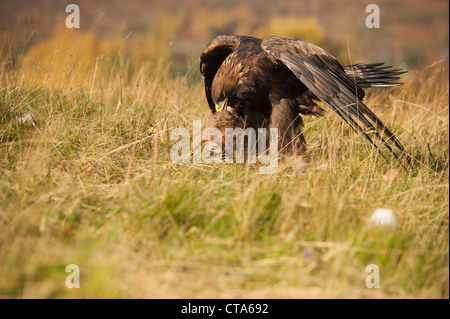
(90, 182)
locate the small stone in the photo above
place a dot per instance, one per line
(383, 217)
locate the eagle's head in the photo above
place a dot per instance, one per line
(231, 85)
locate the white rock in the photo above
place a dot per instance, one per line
(383, 217)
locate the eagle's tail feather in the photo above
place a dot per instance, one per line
(374, 75)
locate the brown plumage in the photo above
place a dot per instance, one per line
(273, 81)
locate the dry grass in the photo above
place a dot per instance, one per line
(90, 182)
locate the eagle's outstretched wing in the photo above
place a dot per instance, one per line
(322, 74)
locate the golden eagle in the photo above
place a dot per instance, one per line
(271, 82)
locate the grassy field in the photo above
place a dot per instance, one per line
(86, 179)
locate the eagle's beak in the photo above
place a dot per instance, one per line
(221, 106)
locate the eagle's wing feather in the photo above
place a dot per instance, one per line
(322, 74)
(212, 57)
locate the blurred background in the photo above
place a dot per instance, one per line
(413, 33)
